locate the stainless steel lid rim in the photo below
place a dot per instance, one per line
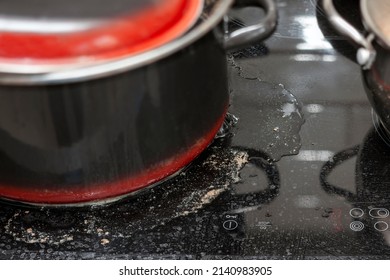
(375, 21)
(11, 74)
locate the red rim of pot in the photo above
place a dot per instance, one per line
(127, 35)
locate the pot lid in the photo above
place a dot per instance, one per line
(376, 17)
(57, 31)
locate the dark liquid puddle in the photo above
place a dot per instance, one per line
(270, 116)
(250, 71)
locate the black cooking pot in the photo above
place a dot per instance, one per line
(86, 128)
(373, 50)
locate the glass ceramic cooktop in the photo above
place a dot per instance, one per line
(303, 174)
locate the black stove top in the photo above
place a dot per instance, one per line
(303, 174)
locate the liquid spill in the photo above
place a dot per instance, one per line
(247, 72)
(270, 117)
(21, 229)
(229, 122)
(49, 229)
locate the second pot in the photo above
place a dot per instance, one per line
(373, 50)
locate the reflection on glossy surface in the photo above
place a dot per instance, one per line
(311, 34)
(371, 198)
(314, 155)
(233, 203)
(381, 131)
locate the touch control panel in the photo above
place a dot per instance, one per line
(373, 217)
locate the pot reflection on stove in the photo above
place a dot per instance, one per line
(371, 199)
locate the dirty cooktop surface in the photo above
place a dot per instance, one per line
(303, 173)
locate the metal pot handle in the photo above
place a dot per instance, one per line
(366, 54)
(253, 33)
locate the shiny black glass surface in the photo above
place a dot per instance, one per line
(303, 174)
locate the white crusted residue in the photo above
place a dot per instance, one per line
(240, 158)
(31, 235)
(200, 198)
(211, 194)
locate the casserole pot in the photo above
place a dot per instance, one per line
(91, 124)
(374, 50)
